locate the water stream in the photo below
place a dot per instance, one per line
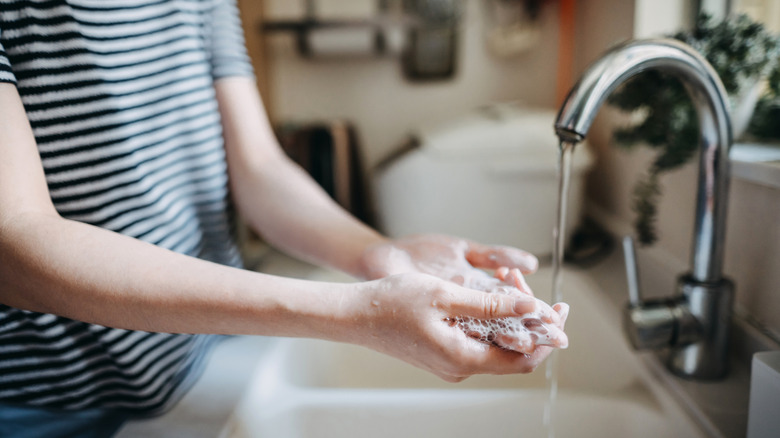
(559, 242)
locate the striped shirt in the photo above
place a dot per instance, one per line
(120, 97)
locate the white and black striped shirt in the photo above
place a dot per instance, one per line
(121, 101)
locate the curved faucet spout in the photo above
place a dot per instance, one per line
(710, 99)
(695, 324)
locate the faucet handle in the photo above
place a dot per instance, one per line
(647, 324)
(632, 271)
(654, 323)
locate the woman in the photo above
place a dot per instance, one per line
(128, 131)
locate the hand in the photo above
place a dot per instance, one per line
(449, 258)
(524, 334)
(411, 317)
(459, 260)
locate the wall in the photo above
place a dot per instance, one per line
(753, 229)
(372, 92)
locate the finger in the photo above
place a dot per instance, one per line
(520, 344)
(483, 305)
(563, 312)
(516, 279)
(554, 337)
(460, 280)
(523, 338)
(546, 313)
(494, 257)
(476, 279)
(478, 357)
(501, 273)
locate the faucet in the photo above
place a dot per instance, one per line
(694, 324)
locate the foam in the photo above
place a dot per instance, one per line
(522, 333)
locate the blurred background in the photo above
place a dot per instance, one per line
(364, 93)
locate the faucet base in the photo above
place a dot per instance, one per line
(702, 339)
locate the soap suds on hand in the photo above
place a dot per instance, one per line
(522, 333)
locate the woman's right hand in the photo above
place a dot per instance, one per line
(410, 316)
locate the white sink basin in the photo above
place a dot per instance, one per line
(432, 413)
(309, 388)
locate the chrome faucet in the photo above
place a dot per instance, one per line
(694, 323)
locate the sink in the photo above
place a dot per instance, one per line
(312, 388)
(416, 413)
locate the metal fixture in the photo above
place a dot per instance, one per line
(304, 27)
(432, 46)
(424, 34)
(695, 322)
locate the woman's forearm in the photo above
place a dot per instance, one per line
(49, 264)
(297, 216)
(52, 265)
(276, 197)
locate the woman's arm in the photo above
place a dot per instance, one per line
(276, 197)
(53, 265)
(282, 203)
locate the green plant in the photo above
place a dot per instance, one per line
(764, 124)
(740, 50)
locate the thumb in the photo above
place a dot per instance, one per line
(483, 305)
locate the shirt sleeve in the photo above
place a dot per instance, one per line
(228, 50)
(6, 73)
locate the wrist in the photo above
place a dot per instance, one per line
(373, 261)
(353, 316)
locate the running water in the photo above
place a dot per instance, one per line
(559, 231)
(559, 240)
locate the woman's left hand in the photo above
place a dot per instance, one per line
(454, 259)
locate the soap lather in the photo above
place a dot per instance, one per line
(523, 333)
